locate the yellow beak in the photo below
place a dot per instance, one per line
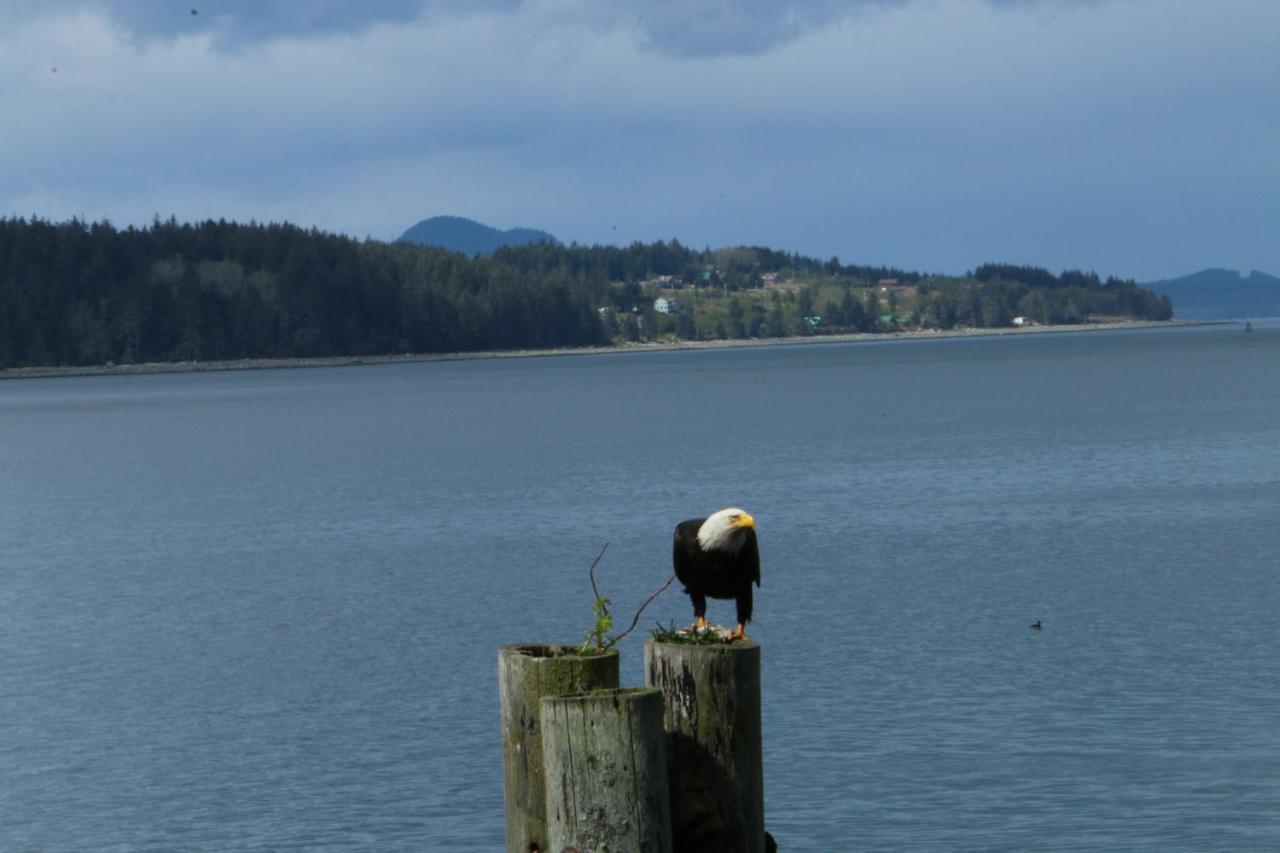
(745, 520)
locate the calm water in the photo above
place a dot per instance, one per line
(261, 610)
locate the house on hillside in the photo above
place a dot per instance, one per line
(891, 285)
(669, 282)
(663, 305)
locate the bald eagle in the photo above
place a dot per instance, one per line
(717, 556)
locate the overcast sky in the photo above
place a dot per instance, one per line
(1132, 137)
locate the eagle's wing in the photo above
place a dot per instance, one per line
(685, 545)
(751, 553)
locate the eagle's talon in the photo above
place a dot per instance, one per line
(738, 633)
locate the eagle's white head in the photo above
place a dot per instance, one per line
(724, 530)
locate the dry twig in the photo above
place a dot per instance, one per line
(661, 590)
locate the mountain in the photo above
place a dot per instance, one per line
(1217, 294)
(470, 237)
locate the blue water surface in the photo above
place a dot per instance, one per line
(261, 610)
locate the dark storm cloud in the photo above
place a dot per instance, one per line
(684, 28)
(708, 27)
(690, 28)
(235, 21)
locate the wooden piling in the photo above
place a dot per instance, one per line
(711, 698)
(526, 674)
(606, 772)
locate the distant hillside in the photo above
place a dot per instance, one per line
(80, 293)
(469, 237)
(1217, 294)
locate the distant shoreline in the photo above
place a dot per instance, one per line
(408, 358)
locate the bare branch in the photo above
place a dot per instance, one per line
(614, 641)
(591, 573)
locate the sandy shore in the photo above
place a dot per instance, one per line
(349, 361)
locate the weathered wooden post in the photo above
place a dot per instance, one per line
(715, 759)
(606, 771)
(526, 674)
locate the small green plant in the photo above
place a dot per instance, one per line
(600, 639)
(599, 635)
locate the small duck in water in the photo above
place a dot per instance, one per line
(1035, 626)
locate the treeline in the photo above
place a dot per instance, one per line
(996, 294)
(78, 293)
(732, 269)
